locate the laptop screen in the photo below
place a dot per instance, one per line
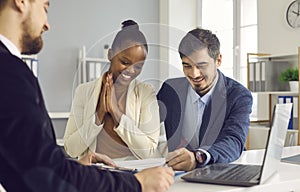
(280, 120)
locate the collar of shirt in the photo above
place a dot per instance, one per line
(205, 98)
(10, 46)
(193, 94)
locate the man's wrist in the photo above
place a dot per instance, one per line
(202, 157)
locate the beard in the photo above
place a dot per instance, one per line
(30, 44)
(203, 90)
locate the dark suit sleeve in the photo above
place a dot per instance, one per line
(30, 160)
(163, 101)
(169, 108)
(231, 140)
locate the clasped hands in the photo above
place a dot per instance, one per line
(107, 102)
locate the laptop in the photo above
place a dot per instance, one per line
(249, 175)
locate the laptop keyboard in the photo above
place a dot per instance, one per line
(230, 172)
(241, 173)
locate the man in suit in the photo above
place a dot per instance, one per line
(30, 160)
(206, 114)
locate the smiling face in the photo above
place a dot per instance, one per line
(201, 70)
(34, 25)
(127, 64)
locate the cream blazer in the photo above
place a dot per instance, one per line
(139, 127)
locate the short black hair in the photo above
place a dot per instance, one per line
(198, 39)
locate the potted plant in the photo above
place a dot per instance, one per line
(290, 75)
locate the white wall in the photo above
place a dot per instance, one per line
(275, 36)
(178, 17)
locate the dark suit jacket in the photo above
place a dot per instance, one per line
(225, 120)
(30, 160)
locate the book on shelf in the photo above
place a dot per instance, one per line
(89, 68)
(94, 70)
(264, 75)
(257, 78)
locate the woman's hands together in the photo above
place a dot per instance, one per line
(107, 102)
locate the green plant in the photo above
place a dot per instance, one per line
(290, 74)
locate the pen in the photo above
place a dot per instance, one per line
(176, 172)
(109, 168)
(130, 170)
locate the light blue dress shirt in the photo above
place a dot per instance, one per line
(193, 114)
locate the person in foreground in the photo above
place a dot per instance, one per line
(30, 160)
(117, 115)
(206, 114)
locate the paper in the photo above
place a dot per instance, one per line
(141, 164)
(295, 105)
(134, 166)
(295, 159)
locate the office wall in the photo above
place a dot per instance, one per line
(78, 23)
(274, 34)
(179, 17)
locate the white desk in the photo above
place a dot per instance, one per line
(287, 179)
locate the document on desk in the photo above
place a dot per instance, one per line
(141, 164)
(134, 166)
(295, 159)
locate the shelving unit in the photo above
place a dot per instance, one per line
(32, 63)
(59, 121)
(266, 83)
(263, 71)
(59, 115)
(89, 68)
(252, 58)
(262, 131)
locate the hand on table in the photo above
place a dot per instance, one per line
(156, 179)
(181, 160)
(92, 157)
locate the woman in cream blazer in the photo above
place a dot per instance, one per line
(139, 128)
(116, 112)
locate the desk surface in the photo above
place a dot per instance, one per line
(286, 179)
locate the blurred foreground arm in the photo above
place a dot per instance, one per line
(156, 179)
